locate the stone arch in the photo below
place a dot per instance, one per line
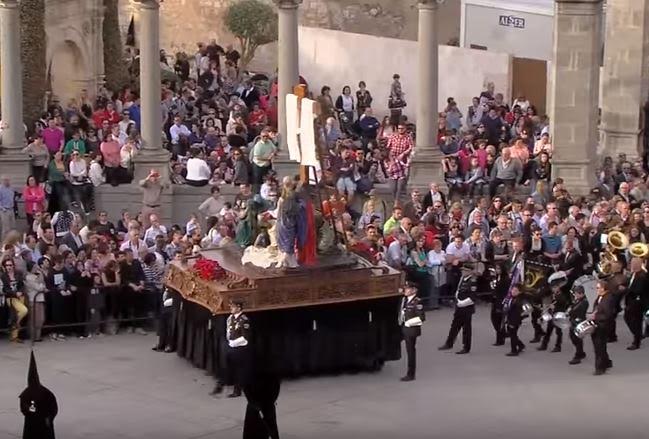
(68, 68)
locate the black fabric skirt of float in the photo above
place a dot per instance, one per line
(326, 339)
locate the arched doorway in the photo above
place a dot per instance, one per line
(68, 71)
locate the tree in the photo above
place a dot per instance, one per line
(33, 55)
(115, 69)
(253, 23)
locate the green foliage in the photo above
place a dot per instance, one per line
(115, 68)
(33, 55)
(253, 23)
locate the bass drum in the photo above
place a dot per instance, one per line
(589, 282)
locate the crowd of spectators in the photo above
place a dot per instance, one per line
(498, 197)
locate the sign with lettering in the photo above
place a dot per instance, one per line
(511, 21)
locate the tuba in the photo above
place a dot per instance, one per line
(639, 250)
(616, 241)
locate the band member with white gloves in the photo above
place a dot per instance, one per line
(577, 315)
(238, 351)
(465, 299)
(559, 304)
(411, 318)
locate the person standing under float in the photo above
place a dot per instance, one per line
(237, 357)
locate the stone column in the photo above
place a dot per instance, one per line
(288, 73)
(425, 165)
(626, 76)
(151, 155)
(12, 162)
(575, 80)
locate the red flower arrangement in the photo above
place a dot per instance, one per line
(208, 269)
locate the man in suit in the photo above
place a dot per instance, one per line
(413, 209)
(433, 195)
(411, 317)
(72, 239)
(635, 301)
(603, 316)
(514, 317)
(250, 94)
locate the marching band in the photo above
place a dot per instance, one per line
(560, 300)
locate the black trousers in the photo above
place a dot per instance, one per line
(493, 185)
(411, 354)
(578, 343)
(548, 333)
(535, 317)
(461, 320)
(515, 342)
(497, 322)
(633, 319)
(238, 365)
(165, 335)
(600, 338)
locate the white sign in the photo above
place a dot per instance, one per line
(511, 21)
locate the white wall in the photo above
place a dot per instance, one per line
(337, 59)
(481, 26)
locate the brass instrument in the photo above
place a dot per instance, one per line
(639, 250)
(532, 278)
(616, 241)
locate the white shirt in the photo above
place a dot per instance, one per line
(78, 170)
(197, 170)
(96, 174)
(435, 259)
(461, 253)
(135, 248)
(348, 103)
(152, 233)
(176, 131)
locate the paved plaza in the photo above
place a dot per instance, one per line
(117, 388)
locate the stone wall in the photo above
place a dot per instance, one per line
(186, 22)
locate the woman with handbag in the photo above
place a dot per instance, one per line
(345, 107)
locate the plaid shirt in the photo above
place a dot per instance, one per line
(399, 143)
(397, 170)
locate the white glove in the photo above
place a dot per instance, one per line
(464, 303)
(415, 321)
(238, 342)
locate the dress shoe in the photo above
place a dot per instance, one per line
(217, 389)
(542, 348)
(575, 360)
(613, 339)
(444, 348)
(535, 340)
(157, 349)
(407, 378)
(498, 343)
(581, 356)
(462, 352)
(599, 372)
(521, 347)
(235, 393)
(512, 354)
(556, 349)
(632, 347)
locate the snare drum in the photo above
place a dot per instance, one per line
(546, 317)
(585, 328)
(561, 320)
